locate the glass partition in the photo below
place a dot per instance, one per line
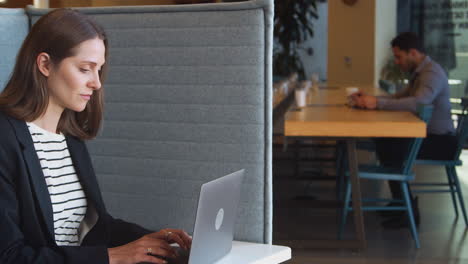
(443, 26)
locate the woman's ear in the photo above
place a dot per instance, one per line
(43, 63)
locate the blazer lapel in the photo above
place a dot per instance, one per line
(35, 173)
(85, 171)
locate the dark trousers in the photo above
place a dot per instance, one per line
(392, 152)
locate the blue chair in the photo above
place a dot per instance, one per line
(387, 86)
(453, 183)
(404, 175)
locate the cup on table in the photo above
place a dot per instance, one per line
(301, 97)
(350, 91)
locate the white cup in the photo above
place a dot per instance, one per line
(351, 90)
(301, 96)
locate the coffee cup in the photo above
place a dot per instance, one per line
(301, 97)
(351, 90)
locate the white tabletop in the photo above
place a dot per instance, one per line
(253, 253)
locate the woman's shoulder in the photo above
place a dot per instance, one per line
(7, 134)
(4, 123)
(6, 120)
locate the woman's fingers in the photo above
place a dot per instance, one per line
(163, 252)
(151, 259)
(146, 249)
(160, 248)
(180, 237)
(187, 239)
(174, 236)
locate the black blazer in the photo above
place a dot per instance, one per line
(26, 218)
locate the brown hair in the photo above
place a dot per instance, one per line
(26, 96)
(408, 40)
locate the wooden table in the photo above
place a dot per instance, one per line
(328, 116)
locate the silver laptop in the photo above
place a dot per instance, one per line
(215, 220)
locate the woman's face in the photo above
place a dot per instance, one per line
(71, 83)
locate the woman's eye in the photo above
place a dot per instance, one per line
(84, 70)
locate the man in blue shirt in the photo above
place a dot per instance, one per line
(428, 84)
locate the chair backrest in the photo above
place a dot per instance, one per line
(13, 29)
(425, 114)
(462, 128)
(462, 115)
(387, 86)
(188, 100)
(464, 103)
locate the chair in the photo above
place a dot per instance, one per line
(453, 183)
(387, 86)
(403, 175)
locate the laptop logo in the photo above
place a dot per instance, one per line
(219, 219)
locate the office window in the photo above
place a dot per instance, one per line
(443, 26)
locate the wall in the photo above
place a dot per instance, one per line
(351, 34)
(358, 40)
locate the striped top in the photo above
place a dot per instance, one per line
(69, 202)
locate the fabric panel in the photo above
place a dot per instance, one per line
(12, 33)
(188, 100)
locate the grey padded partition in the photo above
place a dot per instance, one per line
(188, 99)
(14, 26)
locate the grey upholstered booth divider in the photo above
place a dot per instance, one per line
(188, 99)
(13, 30)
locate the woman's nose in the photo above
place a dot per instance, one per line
(95, 83)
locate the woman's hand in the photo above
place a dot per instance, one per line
(145, 249)
(150, 247)
(174, 236)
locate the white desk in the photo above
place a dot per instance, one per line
(253, 253)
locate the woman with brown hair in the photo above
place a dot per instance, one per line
(51, 209)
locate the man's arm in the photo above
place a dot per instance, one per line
(430, 84)
(402, 93)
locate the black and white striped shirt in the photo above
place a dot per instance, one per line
(69, 202)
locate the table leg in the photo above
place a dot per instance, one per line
(356, 191)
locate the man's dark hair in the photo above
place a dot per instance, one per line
(408, 40)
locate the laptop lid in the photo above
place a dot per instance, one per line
(216, 215)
